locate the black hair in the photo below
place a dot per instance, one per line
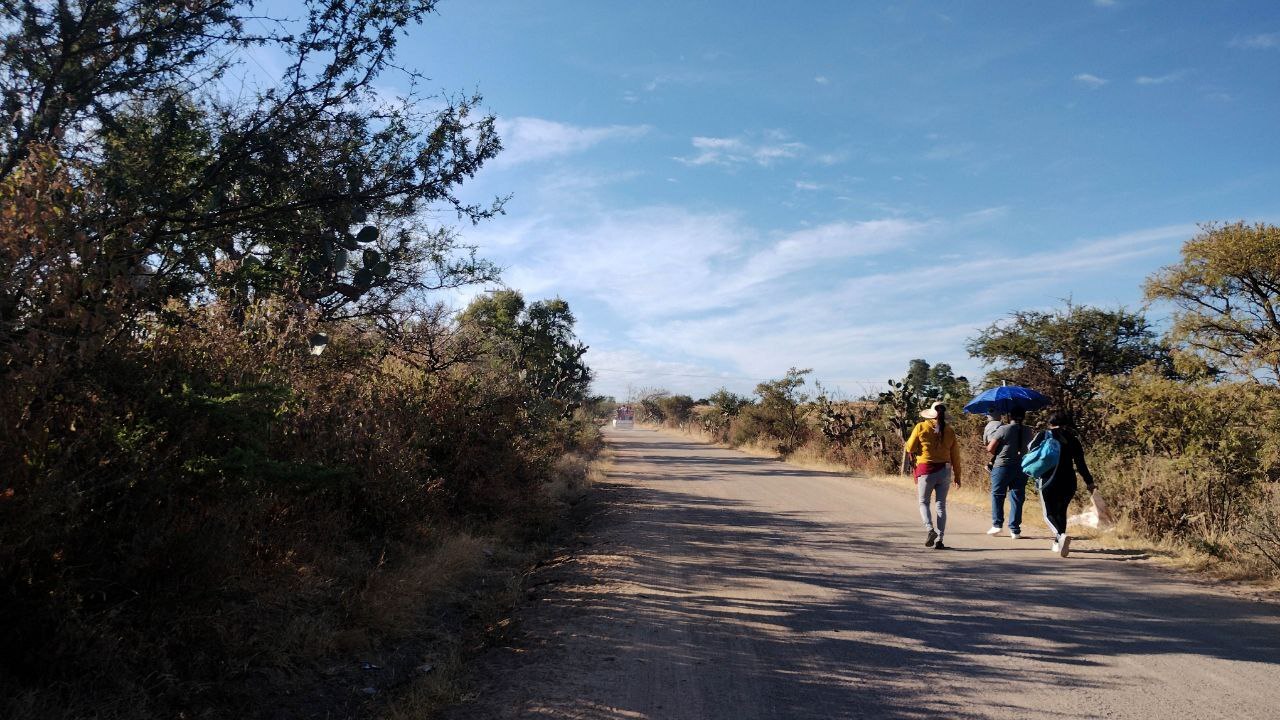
(1060, 418)
(1018, 414)
(942, 420)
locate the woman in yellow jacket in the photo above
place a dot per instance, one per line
(933, 443)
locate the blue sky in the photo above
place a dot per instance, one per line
(722, 190)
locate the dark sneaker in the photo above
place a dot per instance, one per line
(939, 546)
(930, 538)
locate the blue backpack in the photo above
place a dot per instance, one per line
(1041, 458)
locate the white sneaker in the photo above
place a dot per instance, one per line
(1065, 545)
(995, 530)
(1054, 547)
(1015, 536)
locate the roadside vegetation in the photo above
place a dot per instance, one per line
(1182, 429)
(244, 447)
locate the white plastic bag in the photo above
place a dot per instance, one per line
(1088, 518)
(1101, 510)
(1099, 516)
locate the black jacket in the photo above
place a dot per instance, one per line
(1069, 463)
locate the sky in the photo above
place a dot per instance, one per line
(725, 190)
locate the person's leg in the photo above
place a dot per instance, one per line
(1060, 502)
(1058, 508)
(999, 476)
(1017, 483)
(943, 485)
(1056, 498)
(923, 490)
(925, 487)
(1047, 496)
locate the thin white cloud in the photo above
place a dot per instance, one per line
(728, 151)
(653, 261)
(822, 80)
(625, 373)
(859, 331)
(806, 185)
(822, 245)
(1086, 255)
(950, 151)
(530, 139)
(987, 214)
(1260, 41)
(1091, 81)
(848, 351)
(692, 300)
(681, 78)
(1157, 79)
(1104, 3)
(663, 261)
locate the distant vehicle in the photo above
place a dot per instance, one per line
(624, 417)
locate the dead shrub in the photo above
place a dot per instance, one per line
(1260, 533)
(396, 591)
(203, 510)
(569, 479)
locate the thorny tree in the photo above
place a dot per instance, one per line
(1227, 294)
(1063, 353)
(212, 181)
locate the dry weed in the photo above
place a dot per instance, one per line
(489, 592)
(395, 593)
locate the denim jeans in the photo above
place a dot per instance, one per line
(937, 484)
(1011, 481)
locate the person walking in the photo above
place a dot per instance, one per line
(937, 456)
(994, 423)
(1059, 487)
(1006, 446)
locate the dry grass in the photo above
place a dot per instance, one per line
(394, 595)
(433, 690)
(442, 679)
(490, 592)
(573, 476)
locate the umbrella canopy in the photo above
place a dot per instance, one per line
(1005, 398)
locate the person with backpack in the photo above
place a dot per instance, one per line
(937, 456)
(1054, 458)
(1006, 446)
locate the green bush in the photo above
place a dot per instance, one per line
(1191, 461)
(780, 415)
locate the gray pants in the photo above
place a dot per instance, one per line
(937, 482)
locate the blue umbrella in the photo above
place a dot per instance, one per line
(1005, 398)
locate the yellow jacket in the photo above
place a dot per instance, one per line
(927, 447)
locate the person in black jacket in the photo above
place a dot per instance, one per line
(1057, 490)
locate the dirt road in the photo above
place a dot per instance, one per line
(717, 585)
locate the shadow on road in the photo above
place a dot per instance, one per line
(928, 624)
(781, 615)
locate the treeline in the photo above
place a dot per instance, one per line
(233, 417)
(1182, 428)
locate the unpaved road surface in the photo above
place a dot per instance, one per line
(717, 585)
